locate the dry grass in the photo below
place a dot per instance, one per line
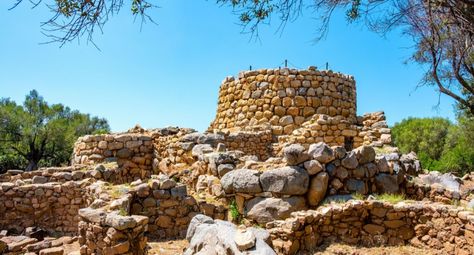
(173, 247)
(344, 249)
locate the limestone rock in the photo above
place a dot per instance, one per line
(295, 154)
(321, 152)
(93, 215)
(52, 251)
(289, 180)
(207, 236)
(317, 188)
(201, 149)
(39, 179)
(120, 222)
(264, 210)
(244, 239)
(241, 180)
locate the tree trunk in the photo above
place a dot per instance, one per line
(32, 165)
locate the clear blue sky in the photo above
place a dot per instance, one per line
(169, 74)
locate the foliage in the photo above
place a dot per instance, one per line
(37, 133)
(440, 145)
(425, 136)
(234, 211)
(358, 196)
(391, 198)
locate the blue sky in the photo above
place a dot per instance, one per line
(169, 74)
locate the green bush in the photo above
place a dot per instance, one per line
(439, 144)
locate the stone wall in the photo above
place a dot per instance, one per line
(258, 143)
(373, 130)
(167, 206)
(297, 106)
(110, 233)
(307, 177)
(132, 151)
(284, 97)
(52, 206)
(374, 223)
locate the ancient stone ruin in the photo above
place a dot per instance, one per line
(286, 159)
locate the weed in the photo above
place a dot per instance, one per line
(358, 196)
(123, 212)
(391, 198)
(234, 211)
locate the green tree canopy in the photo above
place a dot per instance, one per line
(440, 145)
(37, 133)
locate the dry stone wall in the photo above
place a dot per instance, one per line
(297, 106)
(52, 206)
(256, 143)
(283, 97)
(374, 223)
(132, 151)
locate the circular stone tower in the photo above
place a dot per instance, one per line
(284, 98)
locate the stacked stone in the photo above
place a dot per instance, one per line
(52, 206)
(166, 204)
(102, 232)
(374, 130)
(283, 97)
(376, 223)
(53, 174)
(334, 131)
(168, 146)
(309, 176)
(134, 149)
(435, 193)
(250, 143)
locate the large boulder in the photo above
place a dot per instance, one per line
(350, 160)
(356, 186)
(201, 149)
(289, 180)
(411, 163)
(447, 180)
(365, 154)
(317, 188)
(386, 183)
(241, 180)
(213, 237)
(264, 210)
(321, 152)
(295, 154)
(313, 167)
(212, 139)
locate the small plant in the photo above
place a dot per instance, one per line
(358, 196)
(234, 211)
(123, 212)
(455, 202)
(391, 198)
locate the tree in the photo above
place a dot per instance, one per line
(425, 136)
(39, 133)
(440, 145)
